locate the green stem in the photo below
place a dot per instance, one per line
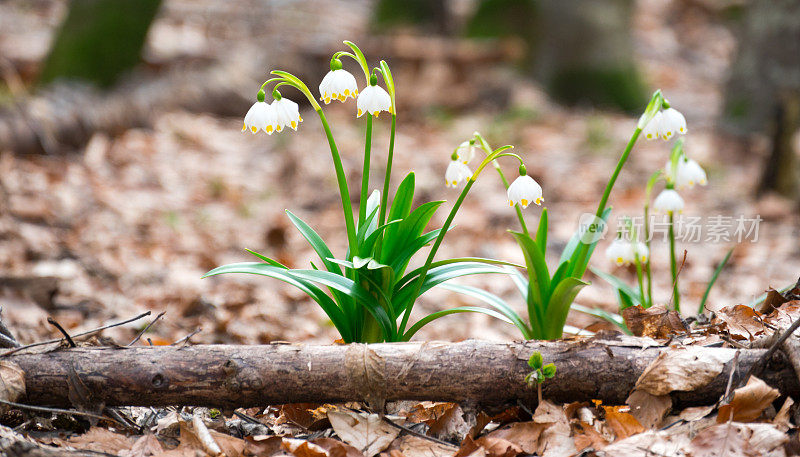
(386, 178)
(583, 247)
(344, 193)
(424, 273)
(362, 204)
(673, 264)
(649, 252)
(638, 265)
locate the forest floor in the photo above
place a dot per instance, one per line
(130, 223)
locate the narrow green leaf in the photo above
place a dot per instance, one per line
(558, 308)
(713, 280)
(316, 242)
(541, 232)
(462, 309)
(573, 242)
(538, 276)
(334, 312)
(494, 301)
(620, 285)
(272, 262)
(612, 318)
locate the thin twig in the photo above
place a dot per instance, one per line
(247, 418)
(759, 364)
(89, 332)
(186, 338)
(735, 364)
(7, 342)
(44, 409)
(55, 324)
(415, 433)
(139, 336)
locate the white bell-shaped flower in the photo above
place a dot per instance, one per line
(672, 122)
(524, 191)
(373, 100)
(640, 251)
(465, 152)
(650, 131)
(668, 201)
(690, 173)
(338, 85)
(665, 124)
(456, 173)
(621, 252)
(260, 116)
(287, 114)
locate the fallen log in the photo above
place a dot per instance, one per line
(485, 373)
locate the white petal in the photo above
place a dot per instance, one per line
(620, 251)
(524, 191)
(373, 100)
(465, 152)
(675, 120)
(668, 201)
(651, 130)
(456, 173)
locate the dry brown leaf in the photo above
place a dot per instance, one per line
(682, 369)
(586, 436)
(773, 300)
(310, 416)
(784, 316)
(470, 448)
(782, 420)
(428, 411)
(653, 322)
(622, 423)
(648, 444)
(101, 440)
(741, 321)
(749, 401)
(145, 446)
(523, 434)
(451, 425)
(649, 409)
(555, 439)
(336, 448)
(498, 447)
(303, 448)
(366, 432)
(263, 445)
(414, 446)
(696, 413)
(12, 382)
(738, 440)
(191, 442)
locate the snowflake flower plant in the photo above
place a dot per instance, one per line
(367, 292)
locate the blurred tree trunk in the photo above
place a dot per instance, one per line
(763, 93)
(99, 40)
(582, 51)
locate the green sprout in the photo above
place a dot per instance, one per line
(540, 373)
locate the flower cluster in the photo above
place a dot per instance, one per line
(523, 191)
(272, 117)
(665, 124)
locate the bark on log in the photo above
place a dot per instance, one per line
(483, 372)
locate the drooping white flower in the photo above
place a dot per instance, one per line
(665, 124)
(690, 173)
(621, 252)
(672, 122)
(524, 191)
(457, 172)
(287, 114)
(338, 85)
(260, 116)
(650, 131)
(373, 100)
(465, 152)
(668, 201)
(640, 251)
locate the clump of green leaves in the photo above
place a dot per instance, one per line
(540, 372)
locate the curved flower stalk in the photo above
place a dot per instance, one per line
(367, 293)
